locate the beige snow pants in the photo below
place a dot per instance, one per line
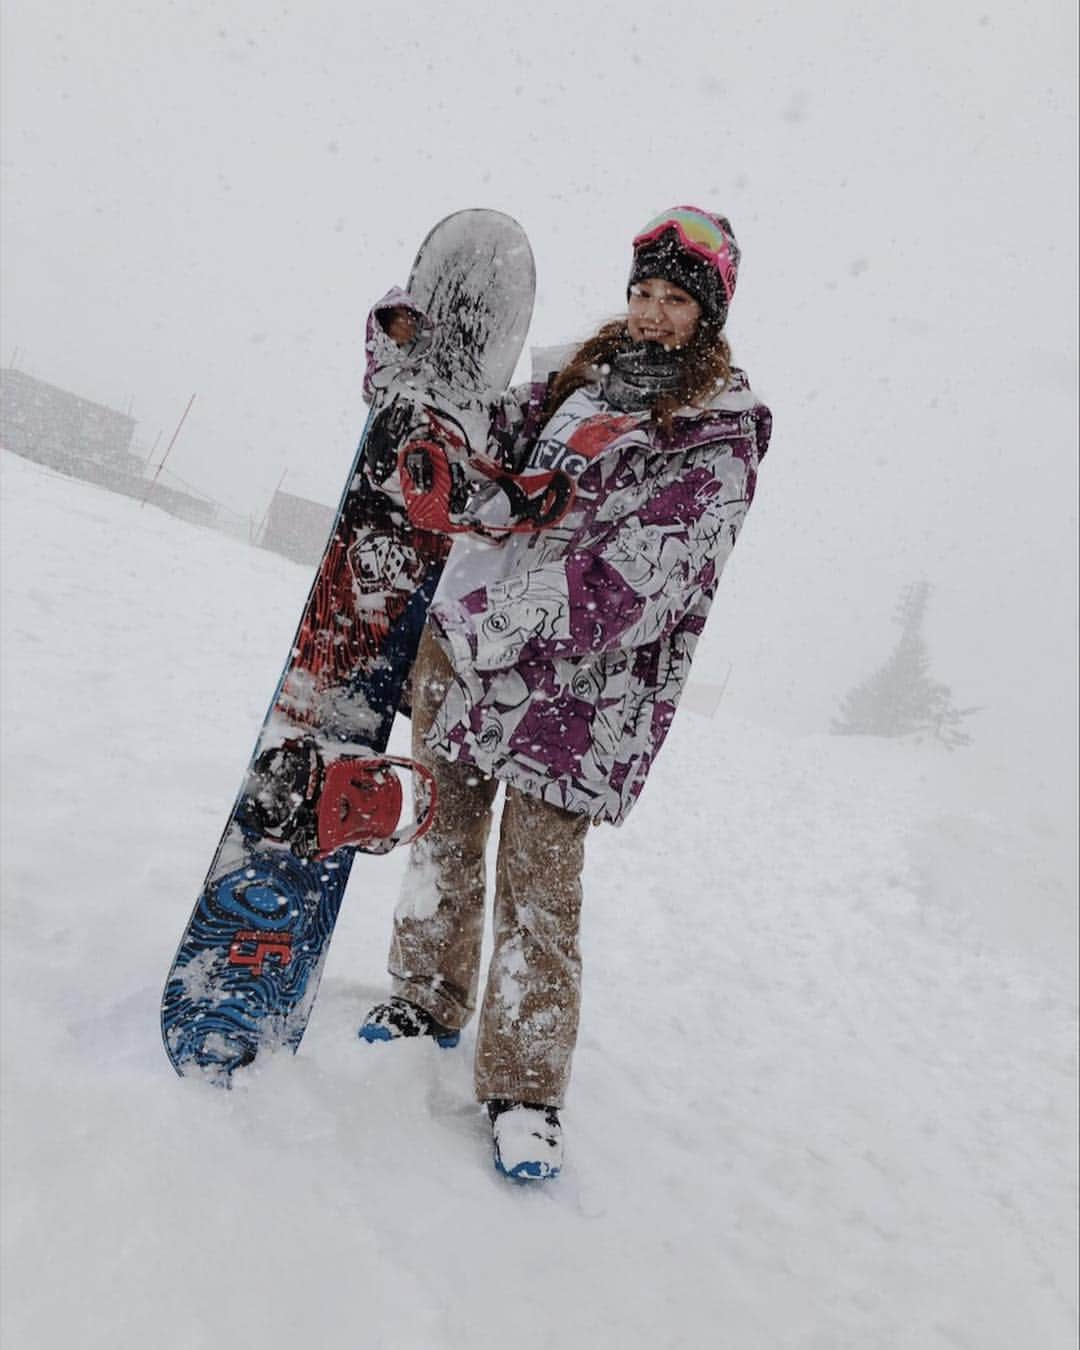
(529, 1017)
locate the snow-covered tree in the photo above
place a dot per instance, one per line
(900, 698)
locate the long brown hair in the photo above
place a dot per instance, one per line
(706, 369)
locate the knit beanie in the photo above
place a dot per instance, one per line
(668, 258)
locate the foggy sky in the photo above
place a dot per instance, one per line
(204, 198)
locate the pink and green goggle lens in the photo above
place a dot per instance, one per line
(699, 234)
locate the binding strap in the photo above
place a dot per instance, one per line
(294, 797)
(361, 800)
(438, 493)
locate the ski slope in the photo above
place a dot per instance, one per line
(823, 1098)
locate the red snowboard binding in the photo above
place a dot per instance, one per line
(439, 494)
(295, 798)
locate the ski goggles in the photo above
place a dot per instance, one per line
(699, 233)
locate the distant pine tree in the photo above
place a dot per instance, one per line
(900, 699)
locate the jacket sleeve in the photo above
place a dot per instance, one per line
(383, 355)
(626, 582)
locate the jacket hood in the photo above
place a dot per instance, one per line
(396, 298)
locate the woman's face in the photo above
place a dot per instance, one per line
(660, 311)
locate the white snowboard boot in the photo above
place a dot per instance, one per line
(527, 1140)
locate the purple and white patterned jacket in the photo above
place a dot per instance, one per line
(570, 661)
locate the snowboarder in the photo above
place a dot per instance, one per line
(554, 662)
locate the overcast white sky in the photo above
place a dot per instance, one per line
(205, 197)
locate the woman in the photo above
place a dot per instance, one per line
(554, 663)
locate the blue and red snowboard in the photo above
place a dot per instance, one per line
(319, 788)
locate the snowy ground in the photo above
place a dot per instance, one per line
(824, 1096)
